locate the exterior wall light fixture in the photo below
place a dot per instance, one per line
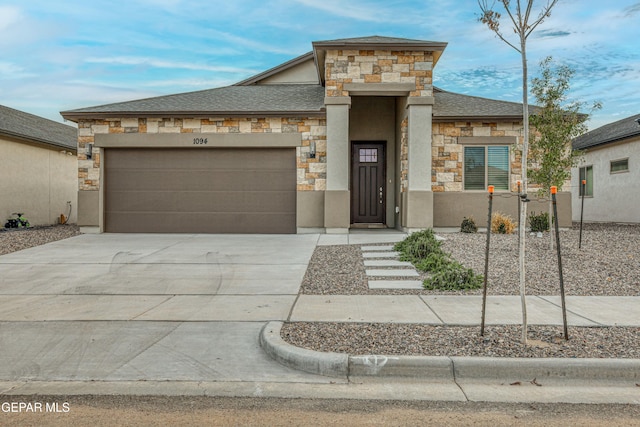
(312, 150)
(89, 151)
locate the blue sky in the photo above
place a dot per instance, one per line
(59, 55)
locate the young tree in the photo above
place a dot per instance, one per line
(554, 125)
(522, 25)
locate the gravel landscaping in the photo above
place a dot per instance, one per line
(12, 240)
(607, 264)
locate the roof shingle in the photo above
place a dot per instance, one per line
(30, 127)
(229, 100)
(616, 131)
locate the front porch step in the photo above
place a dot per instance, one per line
(395, 284)
(380, 255)
(392, 273)
(386, 263)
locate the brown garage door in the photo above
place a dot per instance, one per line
(200, 190)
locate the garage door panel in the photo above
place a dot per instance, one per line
(201, 201)
(196, 190)
(203, 222)
(201, 180)
(202, 158)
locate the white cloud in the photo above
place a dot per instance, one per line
(356, 10)
(158, 63)
(9, 15)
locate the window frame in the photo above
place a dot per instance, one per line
(580, 178)
(611, 162)
(485, 147)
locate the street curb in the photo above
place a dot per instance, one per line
(314, 362)
(508, 368)
(444, 367)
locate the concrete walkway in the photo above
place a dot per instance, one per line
(185, 314)
(466, 310)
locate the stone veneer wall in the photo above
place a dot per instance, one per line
(447, 154)
(373, 66)
(311, 172)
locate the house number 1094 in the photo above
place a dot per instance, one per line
(199, 141)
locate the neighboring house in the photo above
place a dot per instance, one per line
(38, 168)
(352, 134)
(610, 167)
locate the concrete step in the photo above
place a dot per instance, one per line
(395, 284)
(380, 254)
(396, 272)
(387, 263)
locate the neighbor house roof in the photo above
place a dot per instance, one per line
(622, 129)
(227, 101)
(28, 127)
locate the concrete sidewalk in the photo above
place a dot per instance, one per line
(466, 310)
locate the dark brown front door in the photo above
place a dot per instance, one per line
(367, 183)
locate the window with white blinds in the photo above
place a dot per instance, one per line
(486, 165)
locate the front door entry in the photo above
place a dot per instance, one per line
(368, 183)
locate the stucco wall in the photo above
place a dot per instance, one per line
(37, 181)
(615, 196)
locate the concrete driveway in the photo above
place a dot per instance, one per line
(115, 307)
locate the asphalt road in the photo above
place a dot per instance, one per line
(99, 411)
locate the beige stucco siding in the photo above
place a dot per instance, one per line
(37, 181)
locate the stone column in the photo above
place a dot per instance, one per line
(418, 200)
(337, 201)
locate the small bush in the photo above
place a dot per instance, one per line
(468, 225)
(502, 224)
(418, 246)
(539, 222)
(433, 262)
(454, 277)
(424, 251)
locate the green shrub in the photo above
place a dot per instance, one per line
(418, 246)
(435, 261)
(468, 225)
(424, 251)
(539, 222)
(454, 276)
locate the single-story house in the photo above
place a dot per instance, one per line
(38, 168)
(610, 168)
(352, 134)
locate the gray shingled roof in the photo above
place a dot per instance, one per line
(616, 131)
(283, 99)
(19, 124)
(378, 41)
(229, 100)
(451, 105)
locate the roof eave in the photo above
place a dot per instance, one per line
(39, 141)
(467, 118)
(275, 70)
(76, 116)
(608, 141)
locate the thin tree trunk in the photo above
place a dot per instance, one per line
(523, 211)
